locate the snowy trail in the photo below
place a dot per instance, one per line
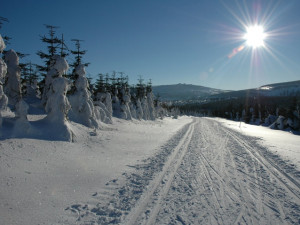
(164, 179)
(206, 174)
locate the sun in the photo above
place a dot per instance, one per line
(255, 36)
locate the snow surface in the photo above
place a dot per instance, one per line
(285, 144)
(39, 179)
(171, 171)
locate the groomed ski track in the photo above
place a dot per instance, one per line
(206, 174)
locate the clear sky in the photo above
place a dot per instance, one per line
(169, 41)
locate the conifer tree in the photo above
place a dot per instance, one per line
(78, 54)
(52, 42)
(100, 86)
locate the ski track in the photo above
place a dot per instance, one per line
(205, 174)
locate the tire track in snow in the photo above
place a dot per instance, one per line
(270, 167)
(203, 175)
(271, 197)
(168, 172)
(229, 187)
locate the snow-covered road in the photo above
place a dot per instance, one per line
(206, 174)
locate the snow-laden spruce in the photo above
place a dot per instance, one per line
(83, 110)
(103, 107)
(57, 68)
(139, 110)
(3, 71)
(13, 83)
(32, 90)
(146, 114)
(124, 106)
(116, 104)
(151, 106)
(160, 111)
(57, 105)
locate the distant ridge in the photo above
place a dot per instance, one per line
(184, 91)
(291, 88)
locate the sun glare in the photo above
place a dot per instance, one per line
(255, 36)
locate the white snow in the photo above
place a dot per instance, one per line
(40, 178)
(2, 44)
(284, 144)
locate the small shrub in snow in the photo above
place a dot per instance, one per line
(22, 126)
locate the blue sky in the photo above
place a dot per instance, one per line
(169, 41)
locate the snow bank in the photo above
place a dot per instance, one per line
(284, 144)
(40, 179)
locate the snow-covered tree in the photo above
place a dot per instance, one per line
(3, 70)
(22, 126)
(146, 114)
(83, 110)
(125, 109)
(13, 83)
(116, 104)
(57, 68)
(151, 106)
(57, 108)
(78, 53)
(139, 110)
(103, 101)
(52, 42)
(160, 111)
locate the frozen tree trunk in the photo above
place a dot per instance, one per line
(83, 110)
(13, 84)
